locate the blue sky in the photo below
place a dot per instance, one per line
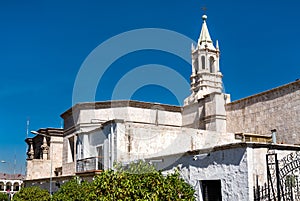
(44, 43)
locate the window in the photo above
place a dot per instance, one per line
(16, 187)
(203, 62)
(100, 157)
(1, 186)
(196, 65)
(212, 64)
(79, 149)
(8, 186)
(71, 150)
(211, 190)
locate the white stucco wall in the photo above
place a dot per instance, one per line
(132, 114)
(138, 141)
(230, 166)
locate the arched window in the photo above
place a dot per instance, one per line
(2, 186)
(16, 186)
(212, 64)
(8, 186)
(203, 62)
(196, 65)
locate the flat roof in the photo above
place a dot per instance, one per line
(122, 103)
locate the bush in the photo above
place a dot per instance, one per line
(73, 190)
(138, 181)
(32, 193)
(3, 196)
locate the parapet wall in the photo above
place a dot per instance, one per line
(278, 108)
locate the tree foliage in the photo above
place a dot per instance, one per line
(138, 181)
(32, 193)
(3, 196)
(73, 190)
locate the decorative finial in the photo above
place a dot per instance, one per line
(204, 17)
(217, 45)
(193, 47)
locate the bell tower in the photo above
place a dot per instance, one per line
(205, 107)
(206, 76)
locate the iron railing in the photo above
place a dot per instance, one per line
(89, 164)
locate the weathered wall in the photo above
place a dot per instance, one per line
(68, 165)
(207, 113)
(145, 140)
(278, 109)
(191, 115)
(258, 165)
(37, 168)
(56, 144)
(229, 166)
(91, 113)
(40, 168)
(132, 114)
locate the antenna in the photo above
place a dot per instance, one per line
(27, 126)
(15, 163)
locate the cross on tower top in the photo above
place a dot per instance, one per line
(204, 9)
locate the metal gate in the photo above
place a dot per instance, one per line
(283, 179)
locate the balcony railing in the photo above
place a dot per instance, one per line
(89, 164)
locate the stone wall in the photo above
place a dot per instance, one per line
(38, 168)
(68, 164)
(278, 108)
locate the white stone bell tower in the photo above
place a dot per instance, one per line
(205, 107)
(206, 76)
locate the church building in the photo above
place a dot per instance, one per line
(219, 146)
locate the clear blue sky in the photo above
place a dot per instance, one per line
(43, 44)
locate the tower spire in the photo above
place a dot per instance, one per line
(204, 41)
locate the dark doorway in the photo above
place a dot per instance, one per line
(211, 190)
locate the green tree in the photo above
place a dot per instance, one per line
(138, 181)
(3, 197)
(73, 190)
(32, 193)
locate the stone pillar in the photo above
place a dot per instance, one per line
(30, 152)
(215, 113)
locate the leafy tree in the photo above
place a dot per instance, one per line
(32, 193)
(3, 197)
(138, 181)
(73, 190)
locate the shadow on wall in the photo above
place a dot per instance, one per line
(203, 160)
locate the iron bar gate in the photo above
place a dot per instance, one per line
(283, 182)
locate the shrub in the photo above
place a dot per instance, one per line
(3, 196)
(32, 193)
(73, 190)
(138, 181)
